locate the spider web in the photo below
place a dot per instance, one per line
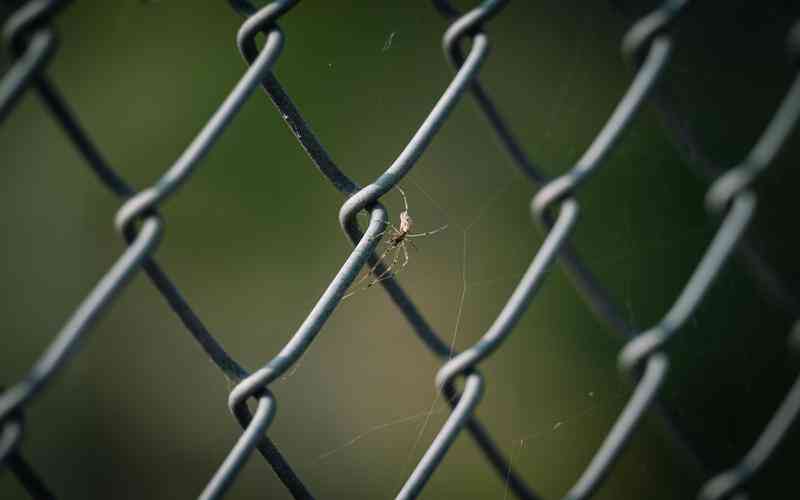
(479, 291)
(359, 408)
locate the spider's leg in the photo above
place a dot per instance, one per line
(396, 231)
(354, 286)
(379, 235)
(377, 262)
(388, 270)
(397, 270)
(412, 245)
(418, 235)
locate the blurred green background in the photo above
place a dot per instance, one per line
(253, 239)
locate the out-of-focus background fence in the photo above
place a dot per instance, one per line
(253, 240)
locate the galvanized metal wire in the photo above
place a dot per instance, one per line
(648, 44)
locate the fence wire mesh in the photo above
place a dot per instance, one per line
(648, 47)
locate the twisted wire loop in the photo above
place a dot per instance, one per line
(596, 296)
(688, 147)
(594, 293)
(643, 356)
(725, 192)
(143, 203)
(731, 483)
(32, 43)
(655, 50)
(648, 44)
(730, 197)
(10, 456)
(366, 198)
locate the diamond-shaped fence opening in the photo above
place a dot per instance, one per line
(560, 209)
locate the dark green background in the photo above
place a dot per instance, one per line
(253, 239)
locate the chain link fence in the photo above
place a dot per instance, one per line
(648, 48)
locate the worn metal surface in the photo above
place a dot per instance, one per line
(648, 45)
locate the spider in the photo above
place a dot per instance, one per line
(396, 246)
